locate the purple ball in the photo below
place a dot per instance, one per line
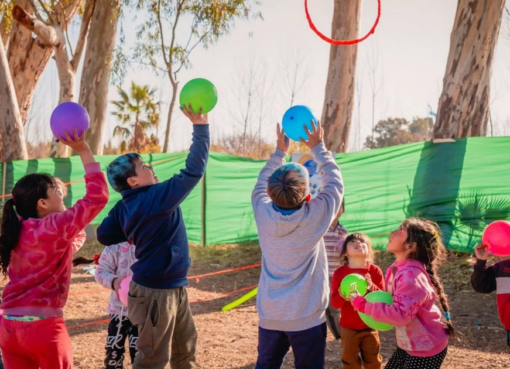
(68, 116)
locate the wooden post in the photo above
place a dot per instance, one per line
(204, 200)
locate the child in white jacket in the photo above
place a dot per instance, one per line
(114, 265)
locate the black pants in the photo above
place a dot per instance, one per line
(402, 360)
(116, 340)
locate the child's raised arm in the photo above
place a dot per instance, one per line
(169, 194)
(72, 221)
(329, 200)
(278, 158)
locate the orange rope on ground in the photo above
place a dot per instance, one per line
(218, 296)
(89, 323)
(224, 294)
(195, 277)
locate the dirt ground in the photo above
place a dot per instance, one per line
(229, 340)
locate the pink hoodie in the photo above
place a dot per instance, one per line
(41, 263)
(416, 317)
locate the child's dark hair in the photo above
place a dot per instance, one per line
(431, 251)
(288, 186)
(25, 195)
(120, 170)
(360, 237)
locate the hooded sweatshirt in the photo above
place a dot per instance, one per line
(293, 289)
(41, 263)
(414, 313)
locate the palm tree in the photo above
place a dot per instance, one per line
(137, 112)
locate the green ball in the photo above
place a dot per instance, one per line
(351, 282)
(199, 92)
(377, 296)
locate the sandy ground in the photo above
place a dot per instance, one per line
(229, 340)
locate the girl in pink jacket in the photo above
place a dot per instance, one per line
(422, 329)
(38, 238)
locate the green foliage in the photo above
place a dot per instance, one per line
(398, 131)
(137, 108)
(208, 21)
(6, 14)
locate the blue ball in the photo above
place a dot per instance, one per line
(294, 121)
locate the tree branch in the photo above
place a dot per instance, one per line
(190, 50)
(162, 38)
(36, 12)
(47, 34)
(85, 25)
(149, 65)
(45, 10)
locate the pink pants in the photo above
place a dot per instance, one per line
(41, 344)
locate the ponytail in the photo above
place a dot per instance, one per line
(11, 228)
(443, 299)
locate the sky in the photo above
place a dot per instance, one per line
(408, 52)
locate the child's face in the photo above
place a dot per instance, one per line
(357, 248)
(397, 241)
(54, 203)
(144, 175)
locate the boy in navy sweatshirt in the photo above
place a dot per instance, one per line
(149, 216)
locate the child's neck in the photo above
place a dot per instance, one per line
(357, 263)
(400, 256)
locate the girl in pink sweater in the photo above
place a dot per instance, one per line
(422, 330)
(38, 238)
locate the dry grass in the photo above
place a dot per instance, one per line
(229, 340)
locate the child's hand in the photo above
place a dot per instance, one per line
(195, 118)
(283, 141)
(353, 296)
(482, 252)
(370, 284)
(315, 137)
(78, 144)
(116, 284)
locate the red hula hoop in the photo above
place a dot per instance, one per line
(343, 42)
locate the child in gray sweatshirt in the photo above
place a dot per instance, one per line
(293, 288)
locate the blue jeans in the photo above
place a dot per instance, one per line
(308, 346)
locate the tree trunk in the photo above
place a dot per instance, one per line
(175, 85)
(463, 109)
(97, 67)
(339, 99)
(52, 36)
(27, 58)
(11, 127)
(66, 76)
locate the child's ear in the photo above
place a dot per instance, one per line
(132, 182)
(308, 198)
(42, 204)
